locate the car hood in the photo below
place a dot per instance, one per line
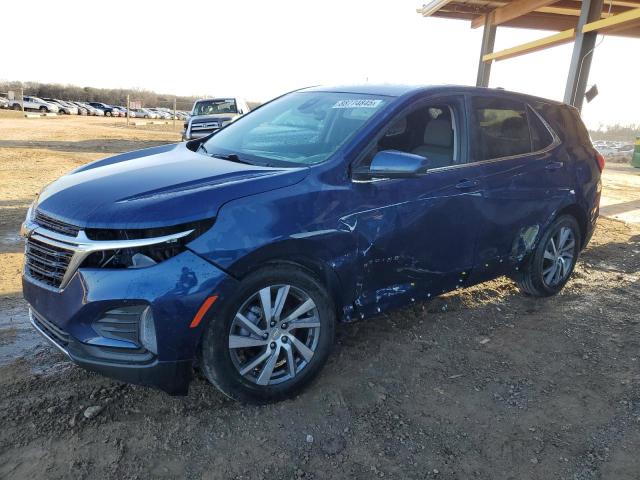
(217, 116)
(154, 187)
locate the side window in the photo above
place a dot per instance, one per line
(541, 138)
(501, 128)
(429, 131)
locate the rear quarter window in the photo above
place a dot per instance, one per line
(565, 122)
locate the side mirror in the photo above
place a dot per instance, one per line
(394, 164)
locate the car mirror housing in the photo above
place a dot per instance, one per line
(393, 164)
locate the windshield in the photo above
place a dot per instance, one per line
(218, 105)
(302, 128)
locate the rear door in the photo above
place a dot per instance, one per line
(525, 177)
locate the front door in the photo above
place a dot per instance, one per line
(416, 236)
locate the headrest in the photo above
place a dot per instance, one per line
(438, 133)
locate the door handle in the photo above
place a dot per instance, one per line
(467, 184)
(551, 166)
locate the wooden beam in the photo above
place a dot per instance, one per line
(512, 10)
(616, 22)
(433, 6)
(529, 47)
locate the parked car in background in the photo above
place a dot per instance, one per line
(34, 103)
(63, 107)
(211, 114)
(107, 109)
(96, 112)
(4, 102)
(143, 113)
(241, 251)
(81, 110)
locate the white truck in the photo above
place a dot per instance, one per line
(211, 114)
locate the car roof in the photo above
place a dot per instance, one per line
(397, 90)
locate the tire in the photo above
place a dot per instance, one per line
(546, 273)
(308, 346)
(107, 114)
(43, 110)
(16, 107)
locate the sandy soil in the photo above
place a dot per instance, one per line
(482, 383)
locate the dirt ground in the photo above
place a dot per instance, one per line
(482, 383)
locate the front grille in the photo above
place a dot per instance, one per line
(205, 126)
(55, 225)
(46, 263)
(54, 332)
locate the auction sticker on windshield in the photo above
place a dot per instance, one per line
(357, 103)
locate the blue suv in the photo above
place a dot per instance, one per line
(238, 253)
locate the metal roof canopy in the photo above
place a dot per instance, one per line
(577, 21)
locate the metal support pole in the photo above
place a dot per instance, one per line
(128, 109)
(488, 41)
(174, 113)
(22, 98)
(582, 54)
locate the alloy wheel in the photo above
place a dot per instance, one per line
(559, 255)
(274, 334)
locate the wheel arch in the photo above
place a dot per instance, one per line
(317, 268)
(308, 255)
(580, 215)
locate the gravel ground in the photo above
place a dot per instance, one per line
(481, 383)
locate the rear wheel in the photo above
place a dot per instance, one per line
(43, 109)
(272, 336)
(16, 106)
(553, 260)
(108, 114)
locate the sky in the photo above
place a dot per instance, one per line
(259, 49)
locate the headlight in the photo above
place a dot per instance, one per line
(145, 256)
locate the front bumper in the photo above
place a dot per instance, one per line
(174, 289)
(172, 377)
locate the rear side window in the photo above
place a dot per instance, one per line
(541, 138)
(502, 128)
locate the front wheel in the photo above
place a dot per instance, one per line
(551, 264)
(271, 338)
(43, 110)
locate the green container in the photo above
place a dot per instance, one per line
(635, 161)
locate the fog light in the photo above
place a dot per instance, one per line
(148, 331)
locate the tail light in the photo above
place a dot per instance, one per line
(600, 160)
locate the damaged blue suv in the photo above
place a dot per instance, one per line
(237, 253)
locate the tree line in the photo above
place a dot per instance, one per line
(617, 132)
(110, 96)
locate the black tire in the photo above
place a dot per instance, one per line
(215, 355)
(16, 107)
(108, 114)
(43, 109)
(531, 279)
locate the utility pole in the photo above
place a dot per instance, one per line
(22, 98)
(174, 113)
(128, 111)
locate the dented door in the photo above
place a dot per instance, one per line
(417, 238)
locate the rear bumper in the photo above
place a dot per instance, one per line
(174, 290)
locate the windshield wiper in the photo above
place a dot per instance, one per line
(232, 157)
